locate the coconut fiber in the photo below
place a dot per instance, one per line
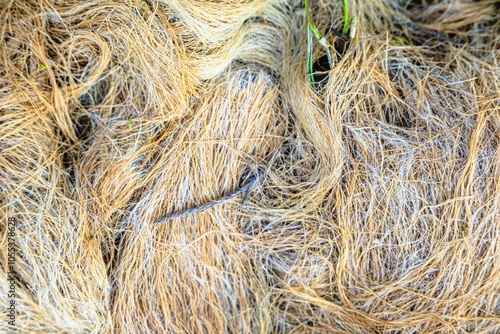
(169, 166)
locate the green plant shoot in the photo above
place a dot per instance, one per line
(312, 30)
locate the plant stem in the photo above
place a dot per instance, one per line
(310, 55)
(312, 30)
(346, 17)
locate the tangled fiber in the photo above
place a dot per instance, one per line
(372, 199)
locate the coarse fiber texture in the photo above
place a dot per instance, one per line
(372, 199)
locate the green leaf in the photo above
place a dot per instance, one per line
(43, 66)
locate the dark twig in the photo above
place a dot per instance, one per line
(206, 206)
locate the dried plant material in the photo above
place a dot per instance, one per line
(371, 203)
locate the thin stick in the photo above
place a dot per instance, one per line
(206, 206)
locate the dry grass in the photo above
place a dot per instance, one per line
(377, 202)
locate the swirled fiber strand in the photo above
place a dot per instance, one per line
(171, 169)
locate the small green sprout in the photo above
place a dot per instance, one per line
(43, 66)
(401, 41)
(465, 226)
(346, 18)
(130, 124)
(312, 30)
(440, 186)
